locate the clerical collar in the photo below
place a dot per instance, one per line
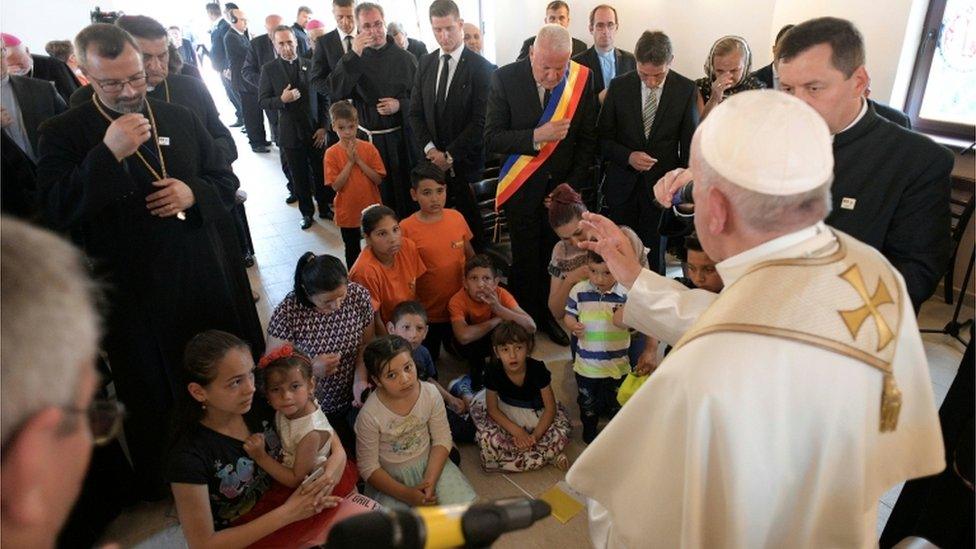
(811, 241)
(233, 28)
(860, 115)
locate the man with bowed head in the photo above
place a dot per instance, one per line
(517, 105)
(49, 335)
(142, 187)
(798, 396)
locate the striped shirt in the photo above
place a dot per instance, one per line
(602, 351)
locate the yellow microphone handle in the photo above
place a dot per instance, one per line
(443, 526)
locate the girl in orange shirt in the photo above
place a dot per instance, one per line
(389, 266)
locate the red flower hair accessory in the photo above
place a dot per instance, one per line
(285, 351)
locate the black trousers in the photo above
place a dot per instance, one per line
(438, 333)
(395, 189)
(476, 354)
(641, 214)
(532, 243)
(253, 118)
(305, 185)
(461, 198)
(232, 96)
(350, 239)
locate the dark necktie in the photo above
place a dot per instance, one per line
(441, 98)
(545, 99)
(348, 41)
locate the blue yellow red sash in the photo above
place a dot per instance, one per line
(563, 100)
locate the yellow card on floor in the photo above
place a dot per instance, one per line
(566, 503)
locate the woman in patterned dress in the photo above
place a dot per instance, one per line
(330, 319)
(726, 73)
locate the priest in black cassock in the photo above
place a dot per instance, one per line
(377, 75)
(143, 189)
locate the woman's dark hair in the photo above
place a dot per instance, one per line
(200, 359)
(512, 332)
(567, 206)
(374, 214)
(381, 351)
(315, 274)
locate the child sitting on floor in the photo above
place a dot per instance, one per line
(520, 425)
(402, 435)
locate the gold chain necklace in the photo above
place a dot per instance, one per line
(154, 134)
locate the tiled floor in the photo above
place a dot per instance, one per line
(279, 242)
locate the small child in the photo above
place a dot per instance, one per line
(353, 168)
(307, 438)
(444, 241)
(477, 309)
(699, 269)
(389, 266)
(409, 321)
(520, 425)
(602, 355)
(402, 435)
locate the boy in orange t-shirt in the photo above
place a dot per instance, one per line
(444, 240)
(477, 308)
(389, 266)
(353, 168)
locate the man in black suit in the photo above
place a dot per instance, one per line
(557, 13)
(285, 87)
(24, 104)
(399, 36)
(768, 75)
(891, 186)
(515, 105)
(301, 35)
(645, 129)
(21, 62)
(218, 57)
(606, 61)
(447, 112)
(237, 43)
(329, 48)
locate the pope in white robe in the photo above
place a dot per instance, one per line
(792, 400)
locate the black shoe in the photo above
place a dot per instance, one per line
(260, 149)
(266, 143)
(291, 199)
(248, 260)
(555, 333)
(307, 222)
(326, 213)
(589, 429)
(237, 124)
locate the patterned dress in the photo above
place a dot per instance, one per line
(704, 86)
(314, 333)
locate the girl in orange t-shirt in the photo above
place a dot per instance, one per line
(389, 266)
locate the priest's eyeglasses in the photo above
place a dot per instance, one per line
(104, 418)
(115, 86)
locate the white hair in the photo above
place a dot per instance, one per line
(49, 326)
(554, 38)
(763, 212)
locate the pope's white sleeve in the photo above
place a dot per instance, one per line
(600, 524)
(664, 308)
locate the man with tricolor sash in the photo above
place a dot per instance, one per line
(794, 398)
(542, 116)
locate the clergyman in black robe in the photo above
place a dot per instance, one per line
(382, 71)
(166, 278)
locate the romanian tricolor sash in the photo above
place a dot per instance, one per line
(563, 100)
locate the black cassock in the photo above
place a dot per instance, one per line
(165, 279)
(385, 72)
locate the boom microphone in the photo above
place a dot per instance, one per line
(477, 525)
